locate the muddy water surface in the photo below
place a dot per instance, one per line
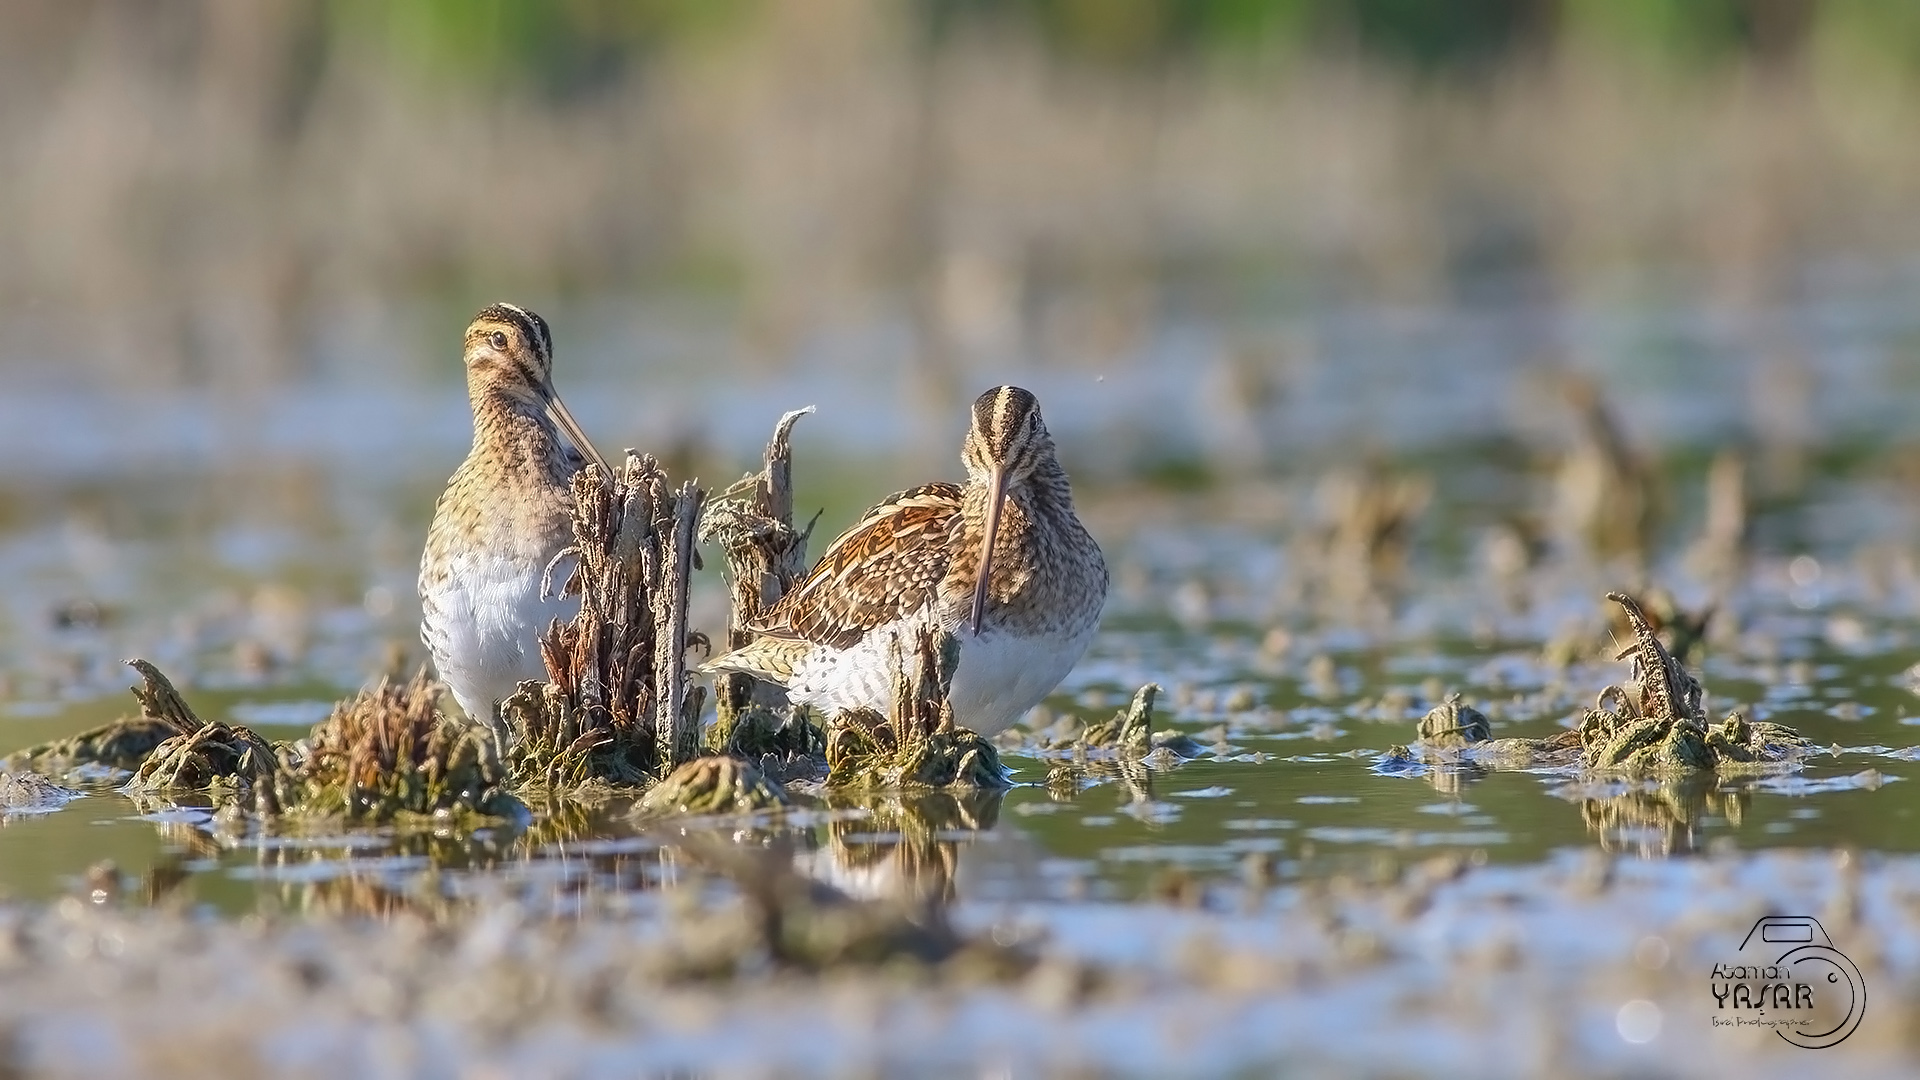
(1268, 900)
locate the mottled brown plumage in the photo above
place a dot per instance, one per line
(889, 565)
(918, 557)
(505, 515)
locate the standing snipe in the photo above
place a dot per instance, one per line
(504, 516)
(1001, 562)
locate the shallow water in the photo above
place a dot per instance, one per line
(269, 589)
(1294, 709)
(1289, 774)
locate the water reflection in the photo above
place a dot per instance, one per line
(903, 848)
(904, 851)
(1655, 818)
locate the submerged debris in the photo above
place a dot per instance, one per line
(1454, 723)
(124, 743)
(618, 707)
(715, 784)
(1460, 737)
(918, 746)
(32, 793)
(387, 753)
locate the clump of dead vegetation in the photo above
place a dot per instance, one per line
(1655, 722)
(1652, 724)
(766, 555)
(384, 754)
(388, 754)
(1130, 730)
(226, 760)
(618, 708)
(711, 785)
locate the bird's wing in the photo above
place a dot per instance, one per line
(887, 566)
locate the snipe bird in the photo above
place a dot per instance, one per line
(504, 516)
(1001, 562)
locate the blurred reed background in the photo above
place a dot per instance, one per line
(251, 200)
(1268, 242)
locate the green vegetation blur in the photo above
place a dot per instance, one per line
(246, 193)
(571, 46)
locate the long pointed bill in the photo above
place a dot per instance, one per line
(996, 494)
(558, 410)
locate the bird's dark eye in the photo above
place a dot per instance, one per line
(499, 339)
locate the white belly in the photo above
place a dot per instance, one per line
(999, 677)
(484, 629)
(1002, 675)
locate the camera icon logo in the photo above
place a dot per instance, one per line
(1811, 994)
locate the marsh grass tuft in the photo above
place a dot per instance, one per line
(387, 753)
(226, 760)
(1454, 723)
(1655, 722)
(1130, 730)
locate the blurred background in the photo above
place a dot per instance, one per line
(1220, 238)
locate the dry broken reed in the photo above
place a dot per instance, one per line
(618, 707)
(752, 522)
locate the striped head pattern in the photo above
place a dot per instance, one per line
(1007, 435)
(1006, 445)
(509, 352)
